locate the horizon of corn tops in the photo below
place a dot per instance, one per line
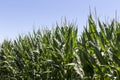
(59, 54)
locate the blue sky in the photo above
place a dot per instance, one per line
(21, 16)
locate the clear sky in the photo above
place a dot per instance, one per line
(21, 16)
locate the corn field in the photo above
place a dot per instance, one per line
(60, 54)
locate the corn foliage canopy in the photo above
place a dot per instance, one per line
(60, 54)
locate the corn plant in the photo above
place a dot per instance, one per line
(60, 54)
